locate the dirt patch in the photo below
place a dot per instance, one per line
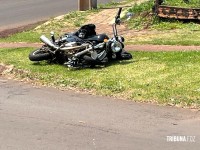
(152, 48)
(20, 45)
(158, 48)
(2, 69)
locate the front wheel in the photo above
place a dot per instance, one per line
(124, 55)
(39, 55)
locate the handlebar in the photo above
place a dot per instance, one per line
(117, 18)
(117, 22)
(119, 12)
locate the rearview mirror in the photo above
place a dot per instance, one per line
(129, 15)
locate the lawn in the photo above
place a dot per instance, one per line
(161, 77)
(183, 3)
(154, 30)
(170, 78)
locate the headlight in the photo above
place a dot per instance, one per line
(116, 46)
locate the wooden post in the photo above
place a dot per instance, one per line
(86, 4)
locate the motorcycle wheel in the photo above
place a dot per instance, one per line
(123, 55)
(39, 55)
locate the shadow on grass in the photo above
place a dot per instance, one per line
(97, 67)
(120, 62)
(42, 63)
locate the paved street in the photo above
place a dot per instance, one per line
(38, 118)
(16, 13)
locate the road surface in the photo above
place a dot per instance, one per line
(16, 13)
(39, 118)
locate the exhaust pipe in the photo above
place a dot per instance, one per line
(44, 39)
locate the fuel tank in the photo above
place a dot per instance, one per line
(98, 38)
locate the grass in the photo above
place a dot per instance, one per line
(161, 31)
(113, 4)
(172, 37)
(183, 3)
(161, 77)
(26, 36)
(145, 19)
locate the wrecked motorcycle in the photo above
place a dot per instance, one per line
(84, 48)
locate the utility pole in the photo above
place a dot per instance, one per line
(87, 4)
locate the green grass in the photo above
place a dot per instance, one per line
(182, 3)
(145, 19)
(26, 36)
(113, 4)
(173, 37)
(161, 77)
(161, 31)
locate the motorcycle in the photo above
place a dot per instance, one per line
(84, 48)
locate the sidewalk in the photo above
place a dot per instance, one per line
(157, 48)
(152, 48)
(20, 45)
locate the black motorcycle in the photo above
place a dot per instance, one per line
(83, 48)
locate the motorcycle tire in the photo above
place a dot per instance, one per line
(124, 55)
(38, 55)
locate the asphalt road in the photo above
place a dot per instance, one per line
(15, 13)
(38, 118)
(46, 118)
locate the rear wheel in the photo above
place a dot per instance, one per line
(39, 55)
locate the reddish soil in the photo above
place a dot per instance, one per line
(20, 45)
(157, 48)
(153, 48)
